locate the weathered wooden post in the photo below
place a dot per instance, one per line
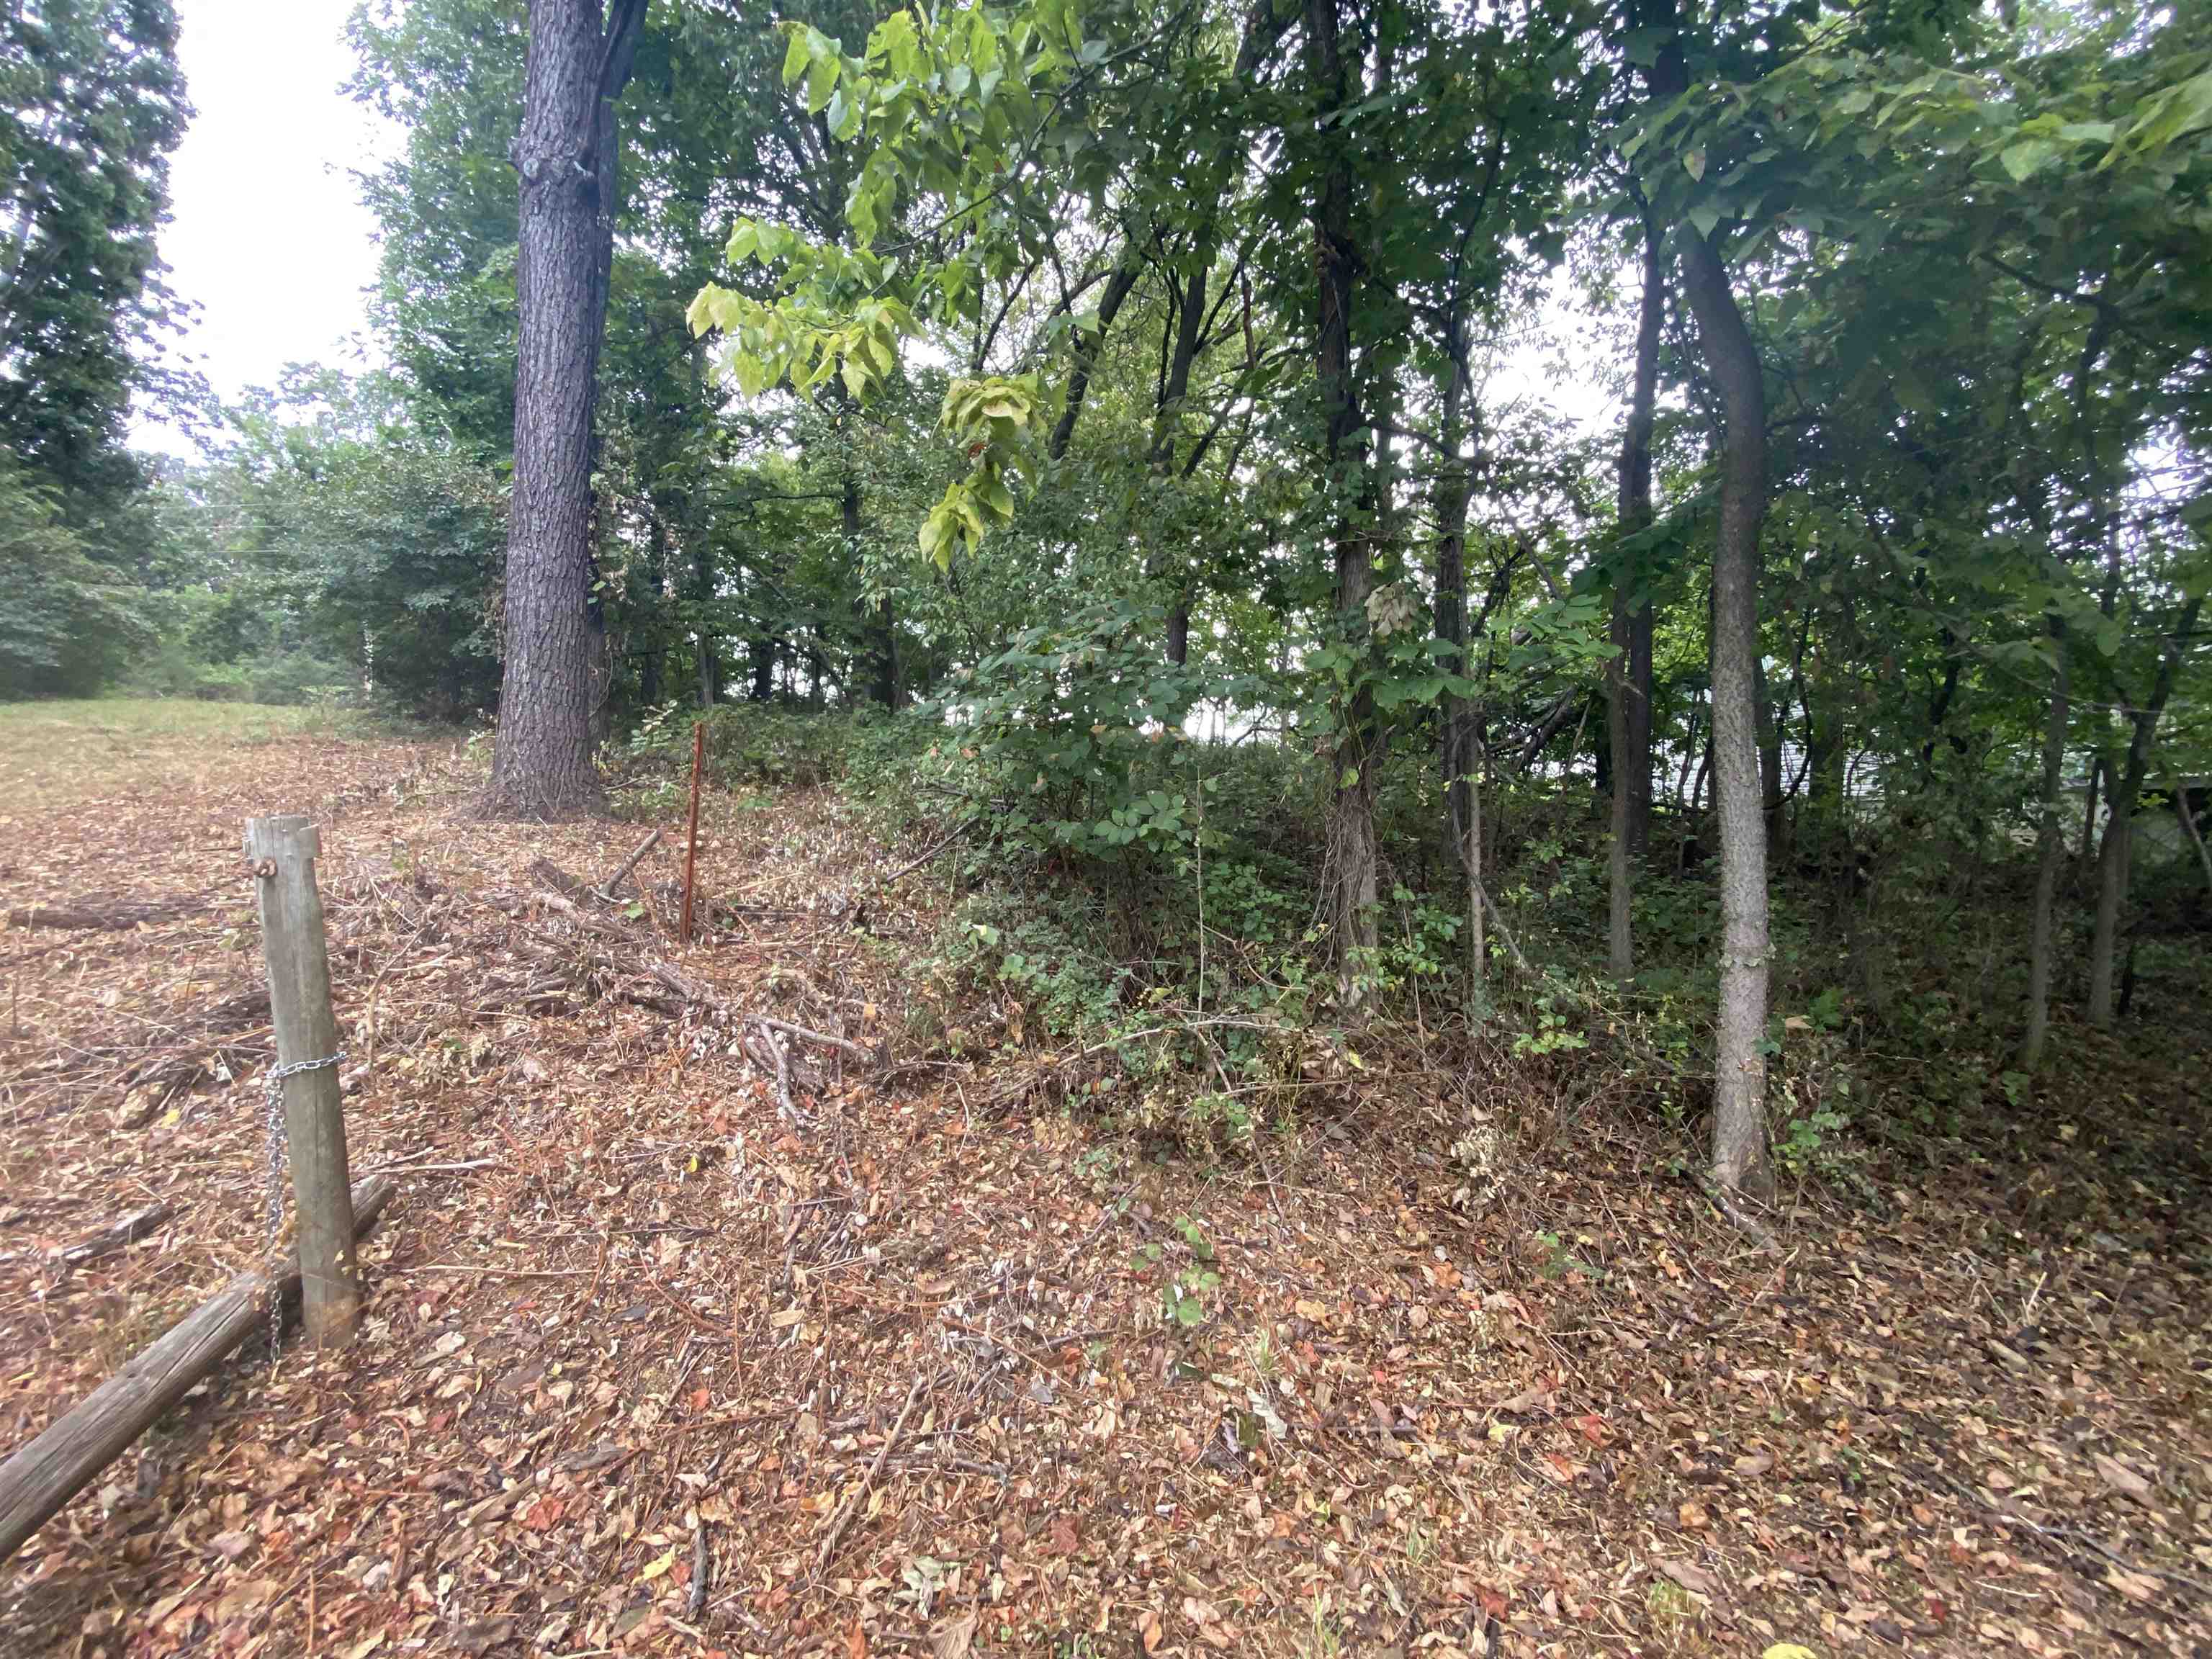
(282, 852)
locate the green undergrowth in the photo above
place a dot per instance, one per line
(1152, 902)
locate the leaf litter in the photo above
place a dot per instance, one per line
(690, 1334)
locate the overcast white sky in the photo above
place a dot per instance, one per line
(267, 234)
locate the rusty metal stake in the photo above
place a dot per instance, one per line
(691, 836)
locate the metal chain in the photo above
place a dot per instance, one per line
(272, 1115)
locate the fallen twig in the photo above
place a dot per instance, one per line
(690, 991)
(697, 1602)
(1730, 1205)
(605, 890)
(845, 1512)
(88, 918)
(129, 1230)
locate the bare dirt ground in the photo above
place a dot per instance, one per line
(655, 1364)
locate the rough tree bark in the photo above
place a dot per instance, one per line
(1628, 677)
(1740, 1152)
(1349, 877)
(577, 63)
(2051, 854)
(2112, 857)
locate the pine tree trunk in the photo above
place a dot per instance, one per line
(2051, 854)
(542, 760)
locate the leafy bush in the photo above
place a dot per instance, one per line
(1070, 741)
(68, 620)
(1051, 956)
(747, 743)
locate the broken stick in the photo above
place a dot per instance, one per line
(845, 1515)
(605, 890)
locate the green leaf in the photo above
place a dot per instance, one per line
(821, 79)
(1694, 163)
(2023, 158)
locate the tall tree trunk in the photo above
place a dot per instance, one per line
(542, 759)
(699, 546)
(2113, 857)
(1459, 736)
(653, 613)
(1349, 877)
(2187, 813)
(879, 624)
(2051, 854)
(1628, 677)
(1190, 321)
(703, 597)
(2097, 765)
(1740, 1152)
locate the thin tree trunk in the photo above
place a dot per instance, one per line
(2051, 854)
(1740, 1152)
(1462, 804)
(1351, 872)
(698, 545)
(2113, 857)
(1119, 286)
(1190, 319)
(2097, 765)
(1770, 760)
(651, 660)
(1628, 717)
(2188, 816)
(542, 759)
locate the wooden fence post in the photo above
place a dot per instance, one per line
(282, 852)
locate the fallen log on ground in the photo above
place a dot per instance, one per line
(53, 1468)
(89, 918)
(127, 1231)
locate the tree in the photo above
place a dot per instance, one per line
(1628, 714)
(578, 62)
(1740, 1152)
(91, 104)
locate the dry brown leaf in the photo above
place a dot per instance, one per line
(2122, 1478)
(1689, 1576)
(953, 1638)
